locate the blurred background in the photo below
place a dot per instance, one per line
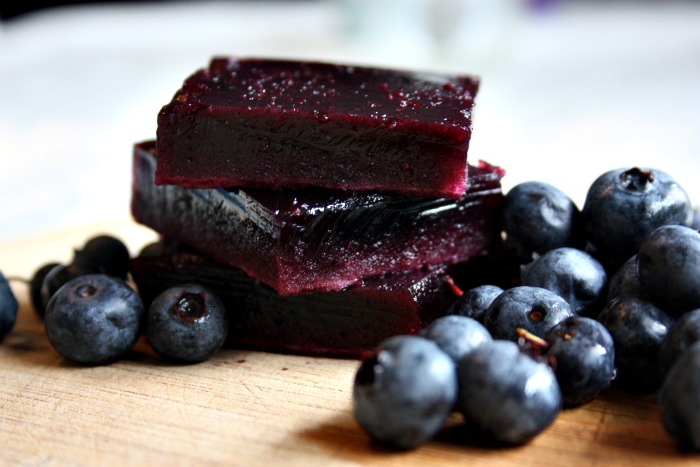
(570, 89)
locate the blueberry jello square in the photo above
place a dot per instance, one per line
(344, 323)
(266, 123)
(319, 240)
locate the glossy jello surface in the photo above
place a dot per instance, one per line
(319, 240)
(343, 324)
(277, 123)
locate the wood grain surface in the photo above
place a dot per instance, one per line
(249, 408)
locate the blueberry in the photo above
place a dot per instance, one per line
(682, 334)
(103, 254)
(532, 308)
(8, 307)
(537, 217)
(624, 205)
(583, 356)
(475, 301)
(93, 319)
(505, 393)
(56, 278)
(572, 274)
(679, 399)
(456, 335)
(35, 285)
(403, 393)
(188, 323)
(625, 281)
(637, 327)
(668, 264)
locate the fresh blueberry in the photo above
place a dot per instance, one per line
(572, 274)
(682, 334)
(188, 323)
(8, 307)
(104, 254)
(507, 394)
(625, 281)
(532, 308)
(538, 217)
(403, 393)
(679, 399)
(456, 335)
(637, 327)
(624, 205)
(56, 278)
(93, 319)
(668, 264)
(583, 356)
(35, 284)
(475, 301)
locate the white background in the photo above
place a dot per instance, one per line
(568, 91)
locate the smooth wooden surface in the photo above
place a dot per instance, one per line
(249, 408)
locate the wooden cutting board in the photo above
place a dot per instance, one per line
(249, 408)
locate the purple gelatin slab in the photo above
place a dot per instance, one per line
(319, 240)
(286, 124)
(342, 324)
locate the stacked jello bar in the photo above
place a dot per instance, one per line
(324, 203)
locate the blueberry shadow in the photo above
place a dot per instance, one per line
(25, 342)
(342, 438)
(468, 437)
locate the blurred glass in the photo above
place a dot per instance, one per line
(430, 32)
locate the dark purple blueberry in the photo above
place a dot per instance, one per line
(532, 308)
(55, 278)
(474, 302)
(572, 274)
(93, 319)
(8, 307)
(624, 205)
(35, 285)
(637, 327)
(625, 281)
(668, 264)
(188, 323)
(456, 335)
(537, 217)
(104, 254)
(403, 393)
(682, 334)
(506, 394)
(679, 399)
(582, 353)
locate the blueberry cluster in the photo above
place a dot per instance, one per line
(405, 392)
(92, 316)
(607, 294)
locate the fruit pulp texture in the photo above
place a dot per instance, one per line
(319, 240)
(344, 323)
(280, 124)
